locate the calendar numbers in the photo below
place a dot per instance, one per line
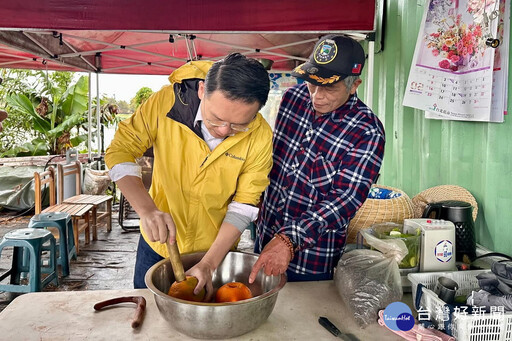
(454, 92)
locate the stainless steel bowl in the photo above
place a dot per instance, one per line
(216, 320)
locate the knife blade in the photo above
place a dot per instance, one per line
(324, 322)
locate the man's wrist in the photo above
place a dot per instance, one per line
(287, 242)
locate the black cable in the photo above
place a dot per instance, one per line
(495, 254)
(491, 254)
(50, 159)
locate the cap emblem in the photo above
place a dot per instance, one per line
(325, 52)
(325, 81)
(312, 70)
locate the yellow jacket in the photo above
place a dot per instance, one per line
(192, 183)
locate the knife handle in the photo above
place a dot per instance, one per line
(324, 322)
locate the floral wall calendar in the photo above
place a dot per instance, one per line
(455, 74)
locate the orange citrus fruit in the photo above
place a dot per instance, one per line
(185, 290)
(232, 292)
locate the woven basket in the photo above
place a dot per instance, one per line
(441, 193)
(379, 211)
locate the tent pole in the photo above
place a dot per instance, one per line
(369, 83)
(98, 113)
(89, 119)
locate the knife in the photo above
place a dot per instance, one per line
(324, 322)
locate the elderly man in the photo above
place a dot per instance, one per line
(328, 149)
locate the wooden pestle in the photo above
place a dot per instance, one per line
(174, 257)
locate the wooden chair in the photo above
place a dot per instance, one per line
(79, 199)
(79, 213)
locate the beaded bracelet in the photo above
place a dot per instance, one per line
(288, 243)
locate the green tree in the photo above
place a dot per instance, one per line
(17, 128)
(141, 95)
(61, 79)
(124, 107)
(53, 113)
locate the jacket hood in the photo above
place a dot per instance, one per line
(191, 70)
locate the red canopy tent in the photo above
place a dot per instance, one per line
(192, 15)
(155, 36)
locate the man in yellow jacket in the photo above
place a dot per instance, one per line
(212, 155)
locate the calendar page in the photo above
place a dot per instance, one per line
(500, 71)
(452, 72)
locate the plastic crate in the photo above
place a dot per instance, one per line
(482, 327)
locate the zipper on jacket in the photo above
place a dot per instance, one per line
(206, 158)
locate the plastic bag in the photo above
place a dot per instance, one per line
(393, 248)
(95, 181)
(368, 280)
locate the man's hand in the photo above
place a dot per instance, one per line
(226, 238)
(203, 272)
(274, 259)
(158, 226)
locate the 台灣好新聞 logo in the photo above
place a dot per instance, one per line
(398, 317)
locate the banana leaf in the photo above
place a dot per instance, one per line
(69, 123)
(75, 141)
(33, 148)
(48, 87)
(75, 99)
(23, 104)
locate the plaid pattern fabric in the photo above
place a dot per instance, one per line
(323, 169)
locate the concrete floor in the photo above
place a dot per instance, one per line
(106, 263)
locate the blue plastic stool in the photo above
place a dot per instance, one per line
(66, 244)
(32, 242)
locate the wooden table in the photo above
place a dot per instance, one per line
(70, 316)
(94, 200)
(76, 212)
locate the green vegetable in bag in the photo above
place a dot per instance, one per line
(411, 242)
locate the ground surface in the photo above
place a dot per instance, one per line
(106, 263)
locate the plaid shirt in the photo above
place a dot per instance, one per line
(323, 169)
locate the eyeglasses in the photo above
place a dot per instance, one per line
(235, 127)
(239, 128)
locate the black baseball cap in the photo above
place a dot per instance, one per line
(334, 57)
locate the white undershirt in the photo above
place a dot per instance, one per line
(210, 140)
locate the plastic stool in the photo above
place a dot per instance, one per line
(32, 242)
(66, 244)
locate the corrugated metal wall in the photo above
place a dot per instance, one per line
(422, 153)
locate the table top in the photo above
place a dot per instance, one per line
(69, 315)
(75, 210)
(87, 199)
